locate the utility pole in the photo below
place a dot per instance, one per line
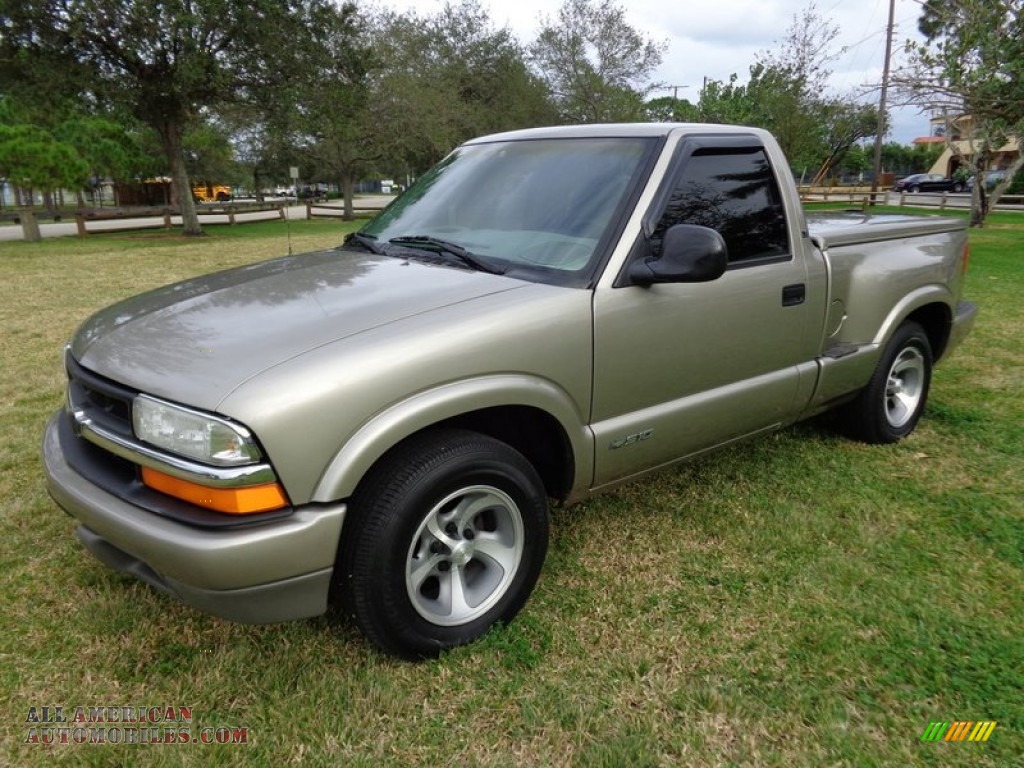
(882, 103)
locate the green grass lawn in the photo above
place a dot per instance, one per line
(797, 600)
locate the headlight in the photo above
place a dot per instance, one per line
(189, 433)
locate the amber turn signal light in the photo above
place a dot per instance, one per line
(234, 501)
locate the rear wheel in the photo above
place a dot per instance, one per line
(446, 537)
(890, 406)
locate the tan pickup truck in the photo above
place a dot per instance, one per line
(544, 314)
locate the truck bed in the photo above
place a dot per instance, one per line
(838, 228)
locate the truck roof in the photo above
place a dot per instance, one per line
(616, 130)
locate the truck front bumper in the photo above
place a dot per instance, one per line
(255, 574)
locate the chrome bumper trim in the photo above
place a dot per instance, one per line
(183, 469)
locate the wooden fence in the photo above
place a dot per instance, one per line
(166, 218)
(864, 197)
(95, 220)
(360, 209)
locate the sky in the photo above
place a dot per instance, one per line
(716, 38)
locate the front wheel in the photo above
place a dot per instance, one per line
(958, 187)
(446, 537)
(889, 407)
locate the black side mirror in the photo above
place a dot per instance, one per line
(689, 254)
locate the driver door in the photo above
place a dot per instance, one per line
(680, 368)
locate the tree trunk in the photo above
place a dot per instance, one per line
(256, 184)
(979, 204)
(348, 190)
(979, 200)
(29, 225)
(170, 136)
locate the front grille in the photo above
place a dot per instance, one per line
(108, 405)
(103, 401)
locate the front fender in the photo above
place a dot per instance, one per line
(424, 409)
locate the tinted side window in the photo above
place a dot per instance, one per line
(734, 192)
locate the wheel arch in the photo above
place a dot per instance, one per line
(937, 321)
(534, 433)
(929, 307)
(534, 416)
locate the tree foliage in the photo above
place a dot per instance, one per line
(49, 150)
(397, 92)
(31, 158)
(971, 64)
(903, 161)
(787, 94)
(468, 75)
(332, 130)
(164, 62)
(671, 109)
(596, 65)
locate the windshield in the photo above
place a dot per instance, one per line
(537, 208)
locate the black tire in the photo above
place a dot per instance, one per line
(890, 406)
(416, 535)
(914, 189)
(958, 187)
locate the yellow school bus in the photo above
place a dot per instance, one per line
(211, 193)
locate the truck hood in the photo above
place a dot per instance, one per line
(196, 341)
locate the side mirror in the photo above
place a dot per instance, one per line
(689, 254)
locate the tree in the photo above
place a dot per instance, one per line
(400, 91)
(597, 66)
(790, 83)
(669, 109)
(209, 154)
(450, 77)
(856, 161)
(333, 129)
(787, 94)
(31, 158)
(111, 150)
(62, 129)
(970, 64)
(164, 61)
(260, 149)
(903, 161)
(843, 124)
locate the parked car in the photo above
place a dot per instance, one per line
(543, 315)
(992, 179)
(928, 182)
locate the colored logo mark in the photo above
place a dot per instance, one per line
(960, 730)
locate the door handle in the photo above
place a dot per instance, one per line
(792, 295)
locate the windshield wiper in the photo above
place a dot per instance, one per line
(369, 242)
(469, 258)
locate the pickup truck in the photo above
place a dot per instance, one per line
(544, 314)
